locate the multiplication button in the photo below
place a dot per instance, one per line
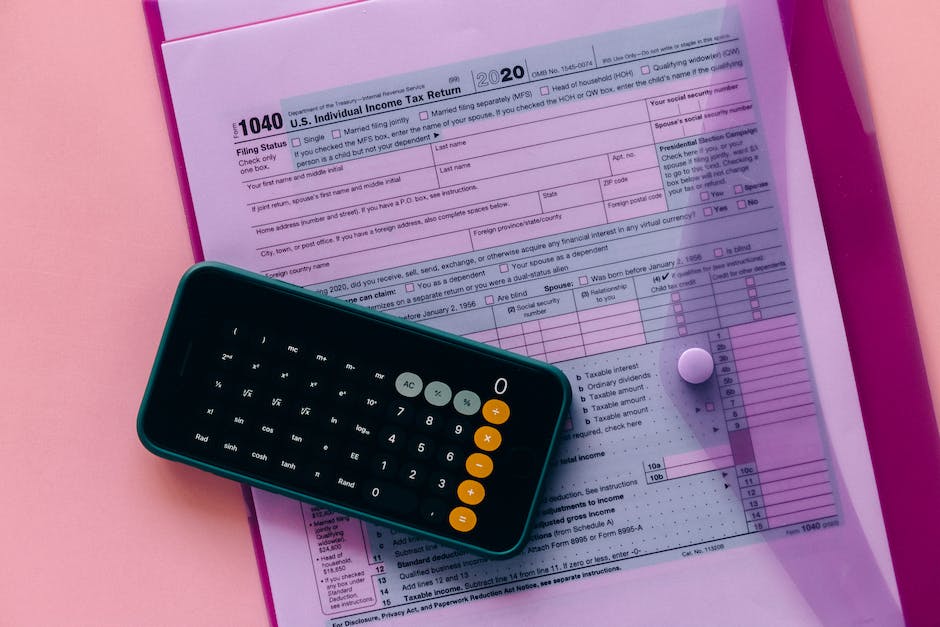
(408, 384)
(487, 438)
(466, 402)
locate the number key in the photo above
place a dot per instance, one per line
(421, 447)
(442, 484)
(451, 457)
(400, 413)
(427, 422)
(384, 465)
(412, 474)
(458, 430)
(392, 438)
(389, 497)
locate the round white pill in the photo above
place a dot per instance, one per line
(696, 365)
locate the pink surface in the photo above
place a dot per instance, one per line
(96, 530)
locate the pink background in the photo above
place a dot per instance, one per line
(95, 531)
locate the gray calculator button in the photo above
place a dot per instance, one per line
(409, 384)
(437, 393)
(466, 402)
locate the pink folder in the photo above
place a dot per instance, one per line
(866, 259)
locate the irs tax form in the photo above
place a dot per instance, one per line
(601, 189)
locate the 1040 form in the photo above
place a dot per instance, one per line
(601, 194)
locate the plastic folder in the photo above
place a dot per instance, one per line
(602, 187)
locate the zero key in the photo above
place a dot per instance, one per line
(389, 497)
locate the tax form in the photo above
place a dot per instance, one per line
(601, 190)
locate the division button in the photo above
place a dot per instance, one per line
(487, 438)
(462, 519)
(479, 465)
(466, 402)
(495, 411)
(408, 384)
(437, 393)
(696, 365)
(470, 492)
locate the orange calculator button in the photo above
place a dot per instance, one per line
(479, 465)
(495, 411)
(462, 519)
(470, 492)
(487, 438)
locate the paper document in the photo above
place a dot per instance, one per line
(600, 188)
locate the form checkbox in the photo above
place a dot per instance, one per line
(708, 211)
(645, 69)
(544, 91)
(410, 287)
(752, 293)
(489, 300)
(583, 280)
(337, 133)
(295, 142)
(755, 304)
(749, 280)
(677, 308)
(683, 330)
(675, 297)
(742, 204)
(757, 315)
(423, 115)
(704, 195)
(503, 267)
(719, 252)
(680, 319)
(738, 189)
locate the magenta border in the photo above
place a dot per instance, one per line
(865, 255)
(872, 286)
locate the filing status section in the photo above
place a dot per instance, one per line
(468, 157)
